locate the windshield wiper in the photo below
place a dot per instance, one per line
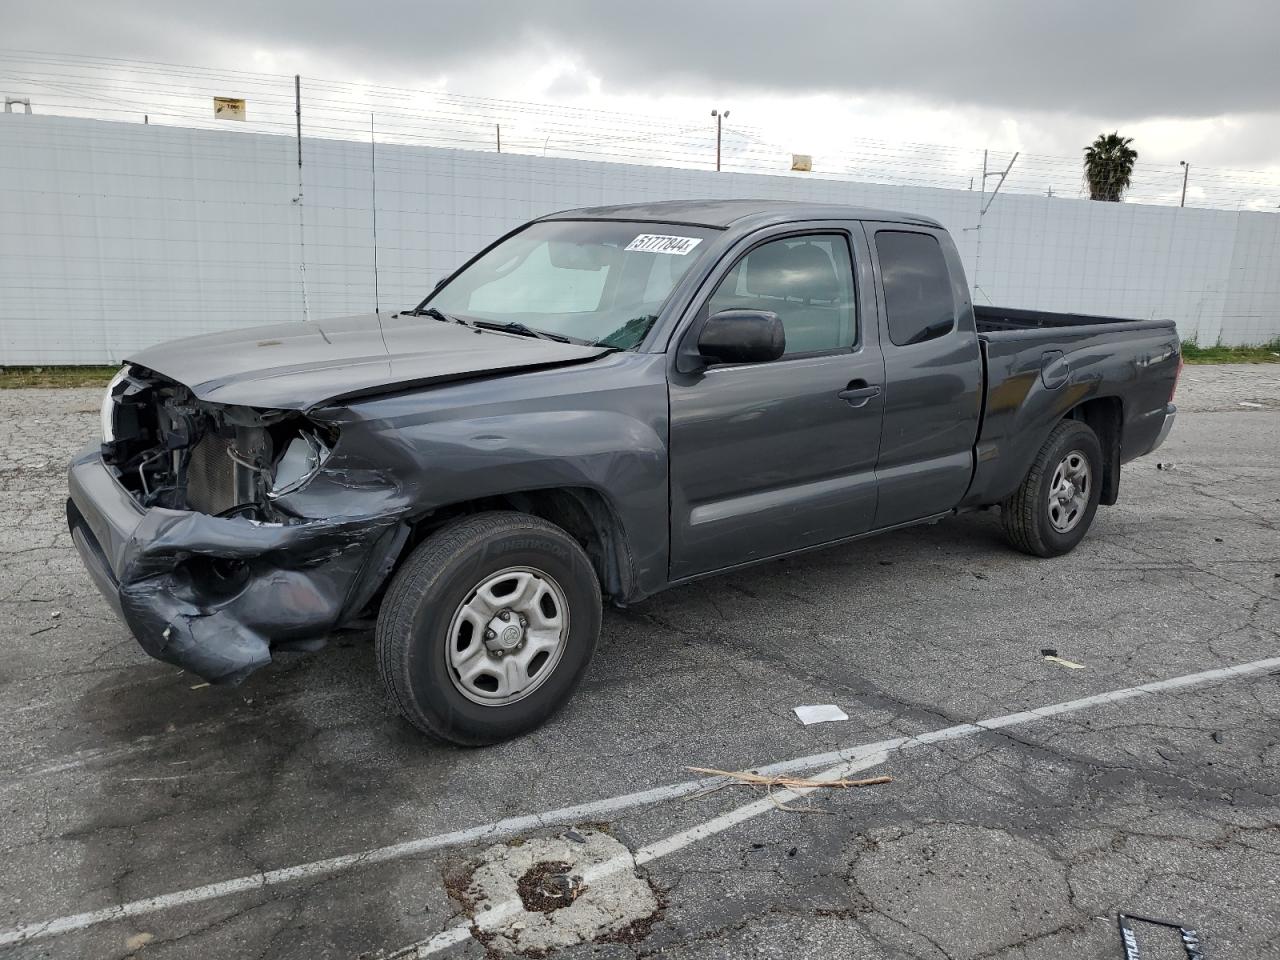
(435, 314)
(515, 326)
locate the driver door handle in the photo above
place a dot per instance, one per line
(859, 393)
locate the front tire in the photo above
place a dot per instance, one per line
(488, 627)
(1053, 508)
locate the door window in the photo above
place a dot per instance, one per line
(917, 287)
(807, 281)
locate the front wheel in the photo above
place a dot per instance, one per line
(487, 628)
(1052, 510)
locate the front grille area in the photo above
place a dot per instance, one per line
(211, 476)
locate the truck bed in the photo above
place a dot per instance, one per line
(998, 319)
(1038, 366)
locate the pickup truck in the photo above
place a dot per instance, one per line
(602, 404)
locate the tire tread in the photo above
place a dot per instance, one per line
(416, 578)
(1020, 513)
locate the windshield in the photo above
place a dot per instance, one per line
(590, 280)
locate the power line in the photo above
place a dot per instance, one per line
(177, 94)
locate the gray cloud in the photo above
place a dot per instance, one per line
(1105, 58)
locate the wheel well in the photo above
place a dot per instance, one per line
(1104, 415)
(581, 512)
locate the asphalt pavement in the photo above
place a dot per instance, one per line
(296, 816)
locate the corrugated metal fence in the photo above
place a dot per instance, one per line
(114, 236)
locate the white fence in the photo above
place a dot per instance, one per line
(114, 236)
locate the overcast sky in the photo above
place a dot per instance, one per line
(1188, 80)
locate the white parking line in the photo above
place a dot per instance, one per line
(865, 753)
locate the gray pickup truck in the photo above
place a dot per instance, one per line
(605, 402)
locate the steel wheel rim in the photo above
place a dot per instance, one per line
(507, 636)
(1069, 492)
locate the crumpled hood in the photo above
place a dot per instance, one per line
(295, 366)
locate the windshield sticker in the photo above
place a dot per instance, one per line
(657, 243)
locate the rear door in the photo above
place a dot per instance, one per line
(766, 458)
(933, 373)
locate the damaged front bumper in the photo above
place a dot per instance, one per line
(215, 595)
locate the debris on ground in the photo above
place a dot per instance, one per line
(819, 713)
(1250, 403)
(1069, 664)
(1129, 938)
(1164, 466)
(747, 778)
(138, 941)
(1051, 655)
(548, 886)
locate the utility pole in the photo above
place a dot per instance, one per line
(720, 116)
(984, 204)
(302, 224)
(297, 112)
(498, 127)
(999, 183)
(373, 209)
(1186, 168)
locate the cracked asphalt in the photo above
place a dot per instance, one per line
(123, 778)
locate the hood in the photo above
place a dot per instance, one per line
(294, 366)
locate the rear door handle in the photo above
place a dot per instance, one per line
(858, 394)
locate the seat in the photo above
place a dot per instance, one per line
(799, 283)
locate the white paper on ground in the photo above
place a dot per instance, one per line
(819, 713)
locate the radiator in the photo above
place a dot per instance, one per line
(211, 476)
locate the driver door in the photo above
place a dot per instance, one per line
(768, 458)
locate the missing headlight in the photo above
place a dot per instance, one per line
(301, 460)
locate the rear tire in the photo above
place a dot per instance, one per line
(1053, 508)
(488, 627)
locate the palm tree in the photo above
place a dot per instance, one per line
(1108, 166)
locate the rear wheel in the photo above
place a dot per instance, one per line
(487, 628)
(1052, 510)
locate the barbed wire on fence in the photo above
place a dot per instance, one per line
(181, 94)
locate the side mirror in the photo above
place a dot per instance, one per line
(742, 336)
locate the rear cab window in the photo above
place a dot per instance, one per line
(918, 300)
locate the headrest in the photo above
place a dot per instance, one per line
(802, 271)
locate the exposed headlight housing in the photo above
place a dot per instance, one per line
(108, 412)
(301, 460)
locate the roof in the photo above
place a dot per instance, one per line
(723, 214)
